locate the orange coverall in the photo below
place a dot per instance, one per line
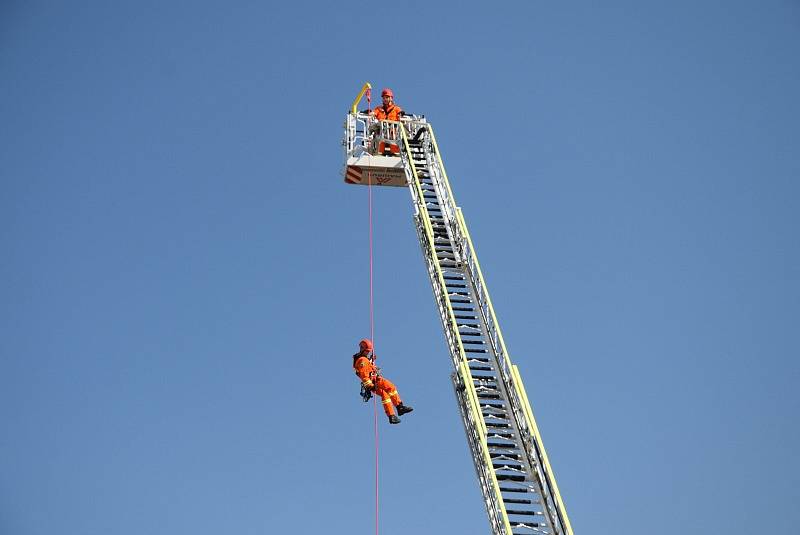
(391, 114)
(371, 378)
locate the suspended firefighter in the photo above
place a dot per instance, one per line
(372, 381)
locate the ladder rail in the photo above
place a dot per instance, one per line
(427, 241)
(525, 418)
(510, 386)
(481, 459)
(476, 430)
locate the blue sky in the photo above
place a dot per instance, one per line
(185, 275)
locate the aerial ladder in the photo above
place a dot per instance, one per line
(517, 483)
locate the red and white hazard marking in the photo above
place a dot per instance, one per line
(353, 175)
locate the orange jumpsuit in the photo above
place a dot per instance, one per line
(371, 378)
(390, 114)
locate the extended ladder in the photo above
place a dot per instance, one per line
(518, 485)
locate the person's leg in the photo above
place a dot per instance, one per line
(391, 390)
(384, 388)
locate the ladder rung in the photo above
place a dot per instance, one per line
(498, 426)
(505, 455)
(483, 378)
(510, 477)
(529, 525)
(507, 466)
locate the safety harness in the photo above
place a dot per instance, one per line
(374, 374)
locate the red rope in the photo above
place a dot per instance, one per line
(371, 297)
(372, 337)
(372, 321)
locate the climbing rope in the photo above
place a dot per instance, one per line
(372, 322)
(372, 337)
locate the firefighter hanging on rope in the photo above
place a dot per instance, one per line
(372, 381)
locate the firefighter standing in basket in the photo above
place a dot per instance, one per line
(386, 143)
(389, 111)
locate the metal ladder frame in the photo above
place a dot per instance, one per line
(510, 387)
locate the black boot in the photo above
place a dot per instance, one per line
(394, 419)
(403, 409)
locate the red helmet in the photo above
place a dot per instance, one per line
(365, 345)
(387, 93)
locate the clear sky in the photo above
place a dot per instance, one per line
(184, 275)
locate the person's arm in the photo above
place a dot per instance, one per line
(362, 370)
